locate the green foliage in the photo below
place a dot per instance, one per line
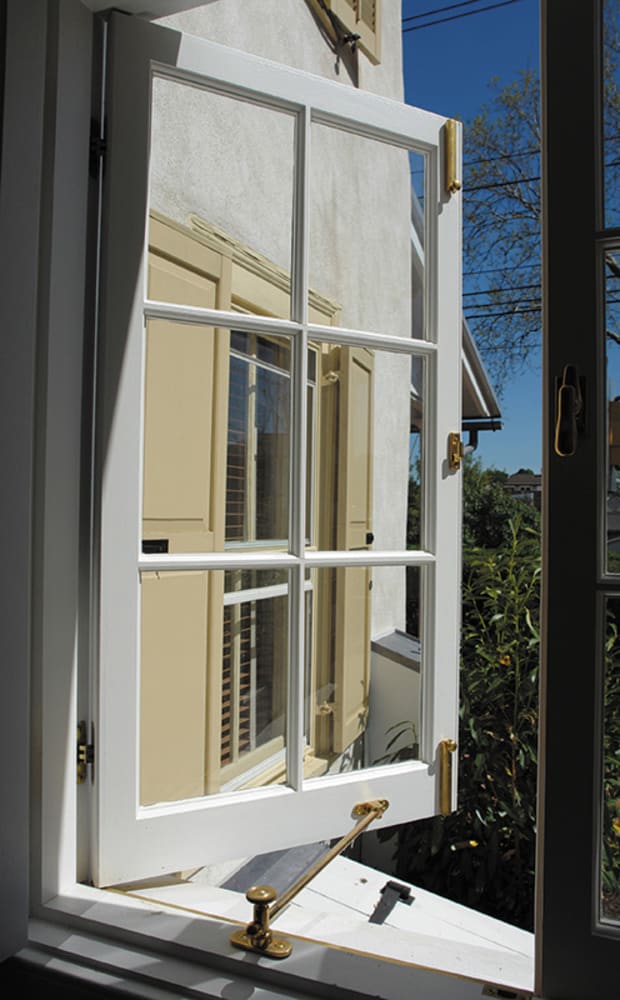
(483, 854)
(488, 507)
(610, 867)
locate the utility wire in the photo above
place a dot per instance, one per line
(510, 288)
(501, 156)
(489, 270)
(509, 312)
(439, 10)
(456, 17)
(501, 184)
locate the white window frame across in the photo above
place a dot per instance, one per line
(191, 831)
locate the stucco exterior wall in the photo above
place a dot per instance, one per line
(235, 169)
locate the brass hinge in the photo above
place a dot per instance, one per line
(455, 451)
(85, 753)
(453, 184)
(446, 749)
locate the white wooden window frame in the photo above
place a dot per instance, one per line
(96, 938)
(195, 829)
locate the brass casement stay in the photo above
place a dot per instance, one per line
(258, 936)
(85, 753)
(455, 451)
(446, 749)
(452, 183)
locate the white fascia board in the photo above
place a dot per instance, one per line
(476, 371)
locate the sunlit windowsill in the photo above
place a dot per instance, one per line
(124, 933)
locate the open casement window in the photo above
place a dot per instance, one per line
(254, 429)
(357, 17)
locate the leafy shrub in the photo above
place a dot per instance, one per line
(483, 854)
(610, 858)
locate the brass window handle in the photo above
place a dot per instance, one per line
(569, 420)
(258, 936)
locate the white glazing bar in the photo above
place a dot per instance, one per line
(172, 562)
(265, 82)
(246, 322)
(366, 557)
(431, 483)
(168, 562)
(298, 464)
(372, 341)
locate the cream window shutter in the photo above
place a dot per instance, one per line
(359, 17)
(353, 584)
(184, 418)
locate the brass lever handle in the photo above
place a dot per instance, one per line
(569, 412)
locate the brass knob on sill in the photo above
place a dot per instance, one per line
(257, 936)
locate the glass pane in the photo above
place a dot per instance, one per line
(213, 682)
(610, 844)
(611, 111)
(209, 163)
(216, 439)
(612, 342)
(370, 464)
(365, 687)
(366, 234)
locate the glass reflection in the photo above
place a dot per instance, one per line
(213, 682)
(208, 162)
(373, 207)
(371, 461)
(365, 685)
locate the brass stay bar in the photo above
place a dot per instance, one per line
(258, 936)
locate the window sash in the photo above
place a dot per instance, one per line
(148, 49)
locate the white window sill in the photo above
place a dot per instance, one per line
(148, 941)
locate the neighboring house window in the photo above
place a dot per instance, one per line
(360, 18)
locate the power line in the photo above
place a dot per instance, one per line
(506, 303)
(501, 184)
(456, 17)
(439, 10)
(510, 288)
(489, 270)
(509, 312)
(502, 156)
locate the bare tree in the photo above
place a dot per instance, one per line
(502, 213)
(502, 226)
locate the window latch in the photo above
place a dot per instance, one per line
(455, 451)
(569, 412)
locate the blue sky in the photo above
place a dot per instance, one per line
(447, 69)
